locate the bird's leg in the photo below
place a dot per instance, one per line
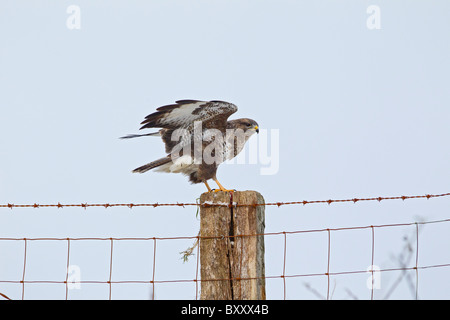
(221, 187)
(207, 186)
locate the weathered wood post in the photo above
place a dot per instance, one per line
(232, 246)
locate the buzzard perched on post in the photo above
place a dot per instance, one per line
(198, 138)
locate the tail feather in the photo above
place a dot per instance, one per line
(152, 165)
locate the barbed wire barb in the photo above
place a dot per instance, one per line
(405, 259)
(178, 204)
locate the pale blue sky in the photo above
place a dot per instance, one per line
(360, 113)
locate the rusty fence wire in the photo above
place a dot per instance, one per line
(279, 204)
(195, 279)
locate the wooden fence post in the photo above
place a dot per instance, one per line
(232, 246)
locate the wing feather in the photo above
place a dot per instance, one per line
(184, 113)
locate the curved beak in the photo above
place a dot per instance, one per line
(256, 129)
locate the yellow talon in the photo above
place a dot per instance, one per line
(207, 186)
(221, 188)
(226, 190)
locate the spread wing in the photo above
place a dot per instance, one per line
(183, 114)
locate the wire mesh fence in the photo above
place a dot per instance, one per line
(409, 269)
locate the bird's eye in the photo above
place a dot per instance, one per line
(249, 125)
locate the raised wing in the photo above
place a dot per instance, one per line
(184, 113)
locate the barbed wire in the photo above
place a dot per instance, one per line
(279, 204)
(197, 280)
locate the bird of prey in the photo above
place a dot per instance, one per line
(198, 137)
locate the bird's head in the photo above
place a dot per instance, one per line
(249, 126)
